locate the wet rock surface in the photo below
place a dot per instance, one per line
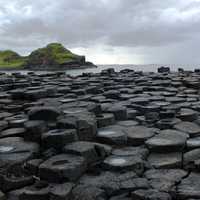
(108, 136)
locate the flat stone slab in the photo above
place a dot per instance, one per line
(141, 152)
(139, 134)
(85, 192)
(193, 143)
(165, 160)
(92, 152)
(13, 132)
(187, 115)
(167, 141)
(114, 183)
(191, 160)
(43, 113)
(189, 187)
(150, 195)
(15, 150)
(188, 127)
(117, 163)
(58, 138)
(127, 123)
(165, 180)
(112, 135)
(105, 119)
(62, 167)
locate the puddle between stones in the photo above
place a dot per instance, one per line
(5, 149)
(117, 161)
(104, 133)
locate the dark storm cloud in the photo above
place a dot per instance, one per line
(26, 24)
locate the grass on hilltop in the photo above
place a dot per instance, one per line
(52, 54)
(10, 59)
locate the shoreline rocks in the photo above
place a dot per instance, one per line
(107, 136)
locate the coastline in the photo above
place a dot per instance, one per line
(47, 68)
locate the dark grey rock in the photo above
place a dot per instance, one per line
(124, 163)
(165, 180)
(62, 167)
(17, 121)
(33, 166)
(189, 187)
(35, 192)
(167, 123)
(34, 128)
(121, 197)
(82, 120)
(13, 132)
(127, 123)
(187, 115)
(58, 138)
(150, 195)
(5, 115)
(3, 125)
(43, 113)
(191, 160)
(193, 143)
(132, 151)
(84, 192)
(167, 141)
(61, 191)
(188, 127)
(120, 112)
(163, 69)
(112, 135)
(14, 150)
(91, 151)
(115, 183)
(165, 160)
(12, 180)
(105, 119)
(139, 134)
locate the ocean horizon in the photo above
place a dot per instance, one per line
(117, 67)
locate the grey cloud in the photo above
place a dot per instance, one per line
(26, 24)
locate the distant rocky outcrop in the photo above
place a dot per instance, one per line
(54, 56)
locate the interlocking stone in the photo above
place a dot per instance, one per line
(13, 132)
(191, 160)
(112, 135)
(150, 195)
(58, 138)
(165, 160)
(189, 187)
(193, 143)
(139, 134)
(43, 113)
(188, 127)
(14, 150)
(165, 180)
(167, 141)
(62, 167)
(105, 119)
(117, 163)
(91, 151)
(107, 136)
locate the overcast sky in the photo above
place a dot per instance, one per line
(106, 31)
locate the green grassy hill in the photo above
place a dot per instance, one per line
(53, 54)
(11, 59)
